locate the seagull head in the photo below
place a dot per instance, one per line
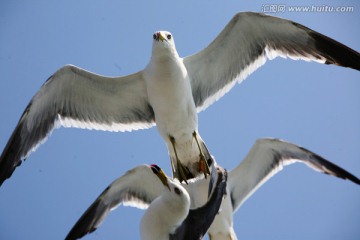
(160, 174)
(163, 42)
(174, 187)
(168, 211)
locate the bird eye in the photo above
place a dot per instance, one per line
(168, 36)
(154, 36)
(177, 191)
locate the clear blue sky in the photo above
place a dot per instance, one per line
(313, 105)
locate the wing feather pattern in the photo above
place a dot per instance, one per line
(245, 44)
(138, 188)
(266, 158)
(73, 97)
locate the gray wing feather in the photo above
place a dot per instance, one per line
(73, 97)
(269, 156)
(245, 44)
(138, 188)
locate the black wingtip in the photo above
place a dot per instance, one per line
(333, 169)
(21, 142)
(342, 173)
(337, 53)
(7, 167)
(87, 222)
(352, 178)
(10, 158)
(334, 51)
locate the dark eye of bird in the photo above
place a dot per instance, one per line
(168, 36)
(177, 191)
(154, 36)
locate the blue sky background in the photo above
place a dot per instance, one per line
(313, 105)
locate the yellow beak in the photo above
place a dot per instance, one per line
(160, 174)
(160, 37)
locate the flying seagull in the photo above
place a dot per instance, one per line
(267, 157)
(170, 91)
(168, 215)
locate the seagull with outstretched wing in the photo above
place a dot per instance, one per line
(170, 91)
(168, 214)
(267, 157)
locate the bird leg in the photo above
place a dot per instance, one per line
(179, 167)
(203, 165)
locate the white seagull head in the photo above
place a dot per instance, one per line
(168, 210)
(164, 43)
(175, 188)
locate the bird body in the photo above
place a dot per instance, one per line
(169, 214)
(169, 91)
(167, 201)
(176, 208)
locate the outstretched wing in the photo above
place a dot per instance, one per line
(245, 44)
(73, 97)
(138, 188)
(266, 158)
